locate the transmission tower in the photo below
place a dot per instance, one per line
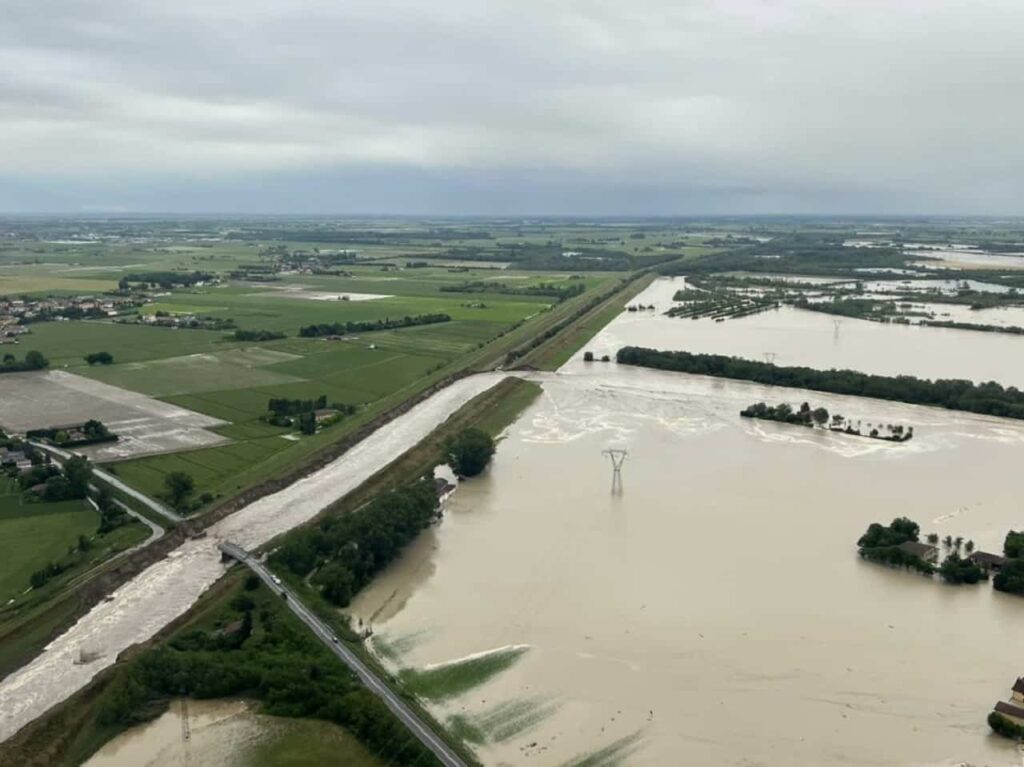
(837, 322)
(769, 357)
(618, 457)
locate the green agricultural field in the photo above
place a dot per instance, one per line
(34, 534)
(66, 343)
(212, 373)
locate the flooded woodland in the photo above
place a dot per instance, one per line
(715, 611)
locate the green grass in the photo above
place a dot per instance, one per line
(453, 679)
(66, 343)
(557, 352)
(34, 534)
(309, 743)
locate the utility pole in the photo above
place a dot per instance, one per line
(618, 457)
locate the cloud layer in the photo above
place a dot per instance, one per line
(657, 106)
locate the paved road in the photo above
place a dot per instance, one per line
(110, 479)
(398, 706)
(155, 531)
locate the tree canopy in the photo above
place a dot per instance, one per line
(469, 452)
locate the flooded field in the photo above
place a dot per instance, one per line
(714, 612)
(230, 734)
(796, 337)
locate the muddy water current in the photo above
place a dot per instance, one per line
(715, 611)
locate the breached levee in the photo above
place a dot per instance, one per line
(164, 591)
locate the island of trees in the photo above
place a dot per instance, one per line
(954, 394)
(897, 544)
(341, 328)
(819, 417)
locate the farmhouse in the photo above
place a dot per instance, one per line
(1018, 690)
(921, 550)
(1014, 713)
(987, 561)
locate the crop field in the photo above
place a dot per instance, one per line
(488, 280)
(35, 534)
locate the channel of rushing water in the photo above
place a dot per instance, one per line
(716, 612)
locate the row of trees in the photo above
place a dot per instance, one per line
(549, 290)
(955, 394)
(804, 416)
(348, 550)
(258, 335)
(341, 328)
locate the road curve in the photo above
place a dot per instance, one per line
(366, 675)
(110, 479)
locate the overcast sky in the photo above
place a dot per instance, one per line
(520, 106)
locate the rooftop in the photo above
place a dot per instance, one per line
(986, 559)
(918, 549)
(1008, 709)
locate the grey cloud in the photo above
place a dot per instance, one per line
(586, 105)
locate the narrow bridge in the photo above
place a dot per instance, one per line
(364, 673)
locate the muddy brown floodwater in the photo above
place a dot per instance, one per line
(715, 612)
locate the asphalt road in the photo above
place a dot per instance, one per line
(324, 633)
(110, 479)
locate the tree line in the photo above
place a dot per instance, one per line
(544, 289)
(256, 650)
(341, 328)
(954, 394)
(348, 550)
(33, 361)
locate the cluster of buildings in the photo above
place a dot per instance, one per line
(16, 313)
(15, 458)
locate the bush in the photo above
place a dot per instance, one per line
(956, 570)
(1003, 726)
(469, 452)
(1013, 546)
(1011, 577)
